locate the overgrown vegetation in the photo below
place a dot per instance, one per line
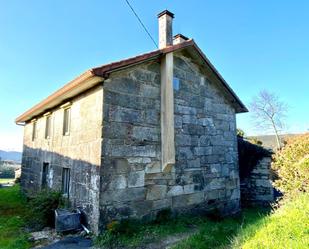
(286, 227)
(18, 215)
(41, 209)
(208, 233)
(7, 171)
(292, 166)
(12, 212)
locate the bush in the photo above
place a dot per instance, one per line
(42, 207)
(7, 172)
(292, 165)
(249, 155)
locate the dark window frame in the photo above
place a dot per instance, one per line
(66, 181)
(45, 173)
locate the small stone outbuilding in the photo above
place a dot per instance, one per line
(133, 137)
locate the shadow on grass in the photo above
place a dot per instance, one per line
(207, 232)
(228, 233)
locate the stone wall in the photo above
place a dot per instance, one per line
(205, 175)
(257, 189)
(131, 144)
(80, 151)
(206, 143)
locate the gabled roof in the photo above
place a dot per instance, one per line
(96, 75)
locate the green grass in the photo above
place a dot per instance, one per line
(146, 233)
(287, 227)
(12, 211)
(6, 180)
(207, 233)
(220, 234)
(255, 228)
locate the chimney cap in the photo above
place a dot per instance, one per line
(180, 36)
(166, 12)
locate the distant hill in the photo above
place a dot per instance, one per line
(10, 155)
(269, 141)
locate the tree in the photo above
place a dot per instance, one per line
(269, 112)
(240, 132)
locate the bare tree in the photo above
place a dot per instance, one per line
(269, 112)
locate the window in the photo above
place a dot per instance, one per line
(65, 181)
(66, 121)
(48, 127)
(34, 131)
(45, 172)
(176, 83)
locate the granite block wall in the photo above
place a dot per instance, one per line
(205, 175)
(257, 189)
(80, 151)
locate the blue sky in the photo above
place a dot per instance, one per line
(255, 45)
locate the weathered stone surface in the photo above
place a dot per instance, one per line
(145, 133)
(216, 183)
(256, 188)
(162, 204)
(175, 190)
(156, 192)
(136, 179)
(118, 182)
(154, 167)
(131, 151)
(123, 195)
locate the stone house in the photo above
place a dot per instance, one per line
(137, 136)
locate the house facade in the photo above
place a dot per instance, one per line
(130, 138)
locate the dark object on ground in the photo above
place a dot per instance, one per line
(66, 220)
(71, 243)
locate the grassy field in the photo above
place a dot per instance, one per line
(207, 233)
(12, 210)
(6, 180)
(286, 227)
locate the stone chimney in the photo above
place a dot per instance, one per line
(165, 28)
(179, 38)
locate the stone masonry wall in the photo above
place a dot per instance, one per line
(80, 151)
(131, 144)
(206, 172)
(257, 189)
(206, 144)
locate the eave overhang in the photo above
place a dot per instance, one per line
(96, 75)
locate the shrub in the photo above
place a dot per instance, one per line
(7, 172)
(42, 207)
(292, 165)
(249, 155)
